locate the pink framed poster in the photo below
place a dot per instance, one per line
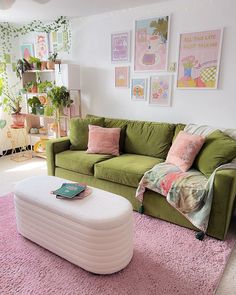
(122, 77)
(41, 46)
(160, 90)
(120, 47)
(199, 59)
(151, 44)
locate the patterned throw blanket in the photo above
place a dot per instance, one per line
(189, 192)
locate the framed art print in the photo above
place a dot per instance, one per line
(120, 47)
(151, 44)
(199, 59)
(27, 50)
(122, 77)
(160, 90)
(138, 89)
(41, 46)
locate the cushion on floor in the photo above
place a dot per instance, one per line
(126, 169)
(79, 161)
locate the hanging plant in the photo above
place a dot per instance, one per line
(9, 31)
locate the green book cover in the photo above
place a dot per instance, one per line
(69, 190)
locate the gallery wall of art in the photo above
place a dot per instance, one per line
(156, 81)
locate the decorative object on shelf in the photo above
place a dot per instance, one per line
(27, 50)
(34, 131)
(120, 47)
(138, 89)
(122, 77)
(40, 146)
(199, 59)
(151, 44)
(160, 90)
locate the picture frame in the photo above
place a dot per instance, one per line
(27, 50)
(122, 77)
(160, 90)
(138, 89)
(41, 46)
(151, 43)
(120, 47)
(199, 59)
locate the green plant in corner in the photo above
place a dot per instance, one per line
(10, 102)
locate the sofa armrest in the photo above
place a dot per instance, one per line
(223, 202)
(53, 147)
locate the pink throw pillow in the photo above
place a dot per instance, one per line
(103, 140)
(184, 150)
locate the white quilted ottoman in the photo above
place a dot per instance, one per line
(95, 233)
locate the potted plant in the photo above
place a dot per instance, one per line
(36, 62)
(45, 86)
(22, 66)
(52, 60)
(60, 97)
(11, 104)
(36, 105)
(31, 87)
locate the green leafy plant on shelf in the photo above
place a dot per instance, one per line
(45, 86)
(59, 99)
(36, 105)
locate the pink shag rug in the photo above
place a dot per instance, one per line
(167, 260)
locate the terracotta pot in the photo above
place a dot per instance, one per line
(43, 65)
(50, 65)
(34, 89)
(18, 120)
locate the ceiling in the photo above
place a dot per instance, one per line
(27, 10)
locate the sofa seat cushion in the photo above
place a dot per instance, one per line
(126, 169)
(79, 161)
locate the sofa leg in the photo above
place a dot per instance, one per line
(200, 235)
(141, 209)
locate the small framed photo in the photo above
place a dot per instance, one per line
(122, 77)
(41, 46)
(138, 89)
(27, 50)
(120, 47)
(160, 90)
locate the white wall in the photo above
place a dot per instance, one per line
(91, 49)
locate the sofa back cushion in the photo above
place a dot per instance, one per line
(103, 140)
(79, 131)
(218, 149)
(149, 138)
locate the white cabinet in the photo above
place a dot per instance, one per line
(68, 75)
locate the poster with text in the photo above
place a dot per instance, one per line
(151, 44)
(41, 46)
(120, 47)
(199, 59)
(160, 90)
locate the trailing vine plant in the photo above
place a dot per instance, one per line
(9, 31)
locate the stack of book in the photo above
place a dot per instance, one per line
(71, 191)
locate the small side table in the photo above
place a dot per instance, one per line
(19, 140)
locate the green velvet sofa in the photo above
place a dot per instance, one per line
(142, 145)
